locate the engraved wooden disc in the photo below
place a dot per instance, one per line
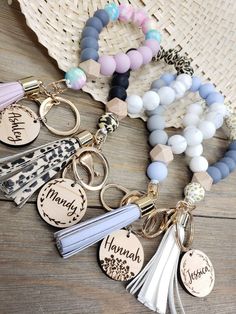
(62, 202)
(197, 273)
(19, 125)
(121, 255)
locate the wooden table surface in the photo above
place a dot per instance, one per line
(33, 277)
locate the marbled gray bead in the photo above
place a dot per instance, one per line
(159, 110)
(232, 145)
(89, 42)
(229, 162)
(103, 16)
(224, 169)
(89, 31)
(95, 22)
(89, 53)
(214, 173)
(231, 154)
(156, 122)
(158, 137)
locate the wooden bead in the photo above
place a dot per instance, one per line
(161, 153)
(118, 107)
(204, 179)
(91, 68)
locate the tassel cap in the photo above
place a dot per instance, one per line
(30, 85)
(146, 205)
(84, 138)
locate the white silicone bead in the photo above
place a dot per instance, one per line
(151, 100)
(216, 118)
(207, 128)
(179, 89)
(219, 107)
(185, 79)
(167, 95)
(195, 108)
(135, 104)
(198, 164)
(193, 135)
(190, 119)
(194, 151)
(177, 143)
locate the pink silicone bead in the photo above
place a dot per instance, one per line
(148, 24)
(125, 12)
(108, 65)
(139, 16)
(146, 52)
(136, 59)
(122, 62)
(153, 45)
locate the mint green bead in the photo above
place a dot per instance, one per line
(113, 11)
(153, 34)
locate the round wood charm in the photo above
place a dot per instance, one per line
(62, 202)
(121, 255)
(19, 125)
(197, 273)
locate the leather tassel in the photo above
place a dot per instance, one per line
(158, 280)
(24, 173)
(77, 238)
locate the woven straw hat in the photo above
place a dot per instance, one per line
(204, 30)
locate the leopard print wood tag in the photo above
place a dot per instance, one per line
(19, 125)
(62, 203)
(121, 255)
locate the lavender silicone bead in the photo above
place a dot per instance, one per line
(108, 65)
(196, 83)
(125, 12)
(232, 145)
(158, 137)
(168, 78)
(122, 62)
(146, 53)
(215, 174)
(153, 45)
(153, 34)
(206, 89)
(229, 162)
(214, 97)
(136, 59)
(89, 53)
(156, 122)
(112, 10)
(103, 16)
(231, 154)
(224, 169)
(157, 171)
(75, 78)
(95, 22)
(89, 31)
(139, 16)
(89, 42)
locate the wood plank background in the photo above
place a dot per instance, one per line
(33, 277)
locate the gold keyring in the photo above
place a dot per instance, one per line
(46, 106)
(107, 187)
(76, 160)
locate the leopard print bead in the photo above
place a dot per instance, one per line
(109, 122)
(194, 192)
(171, 56)
(160, 55)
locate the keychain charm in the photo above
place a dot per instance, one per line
(197, 273)
(121, 255)
(19, 125)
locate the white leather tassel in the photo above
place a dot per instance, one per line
(156, 283)
(77, 238)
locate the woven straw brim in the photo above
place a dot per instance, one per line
(204, 30)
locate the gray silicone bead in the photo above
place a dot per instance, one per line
(231, 154)
(156, 122)
(229, 162)
(103, 16)
(214, 173)
(89, 53)
(224, 169)
(89, 42)
(158, 137)
(95, 22)
(232, 145)
(89, 31)
(159, 110)
(158, 84)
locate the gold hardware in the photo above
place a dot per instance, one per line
(30, 85)
(84, 138)
(110, 186)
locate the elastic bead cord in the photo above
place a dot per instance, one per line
(92, 65)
